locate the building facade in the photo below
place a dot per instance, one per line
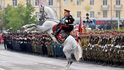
(105, 11)
(98, 9)
(35, 3)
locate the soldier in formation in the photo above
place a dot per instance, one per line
(106, 48)
(38, 43)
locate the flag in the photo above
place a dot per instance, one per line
(80, 29)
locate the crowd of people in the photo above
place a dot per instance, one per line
(36, 43)
(1, 38)
(106, 47)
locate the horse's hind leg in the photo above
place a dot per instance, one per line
(68, 54)
(70, 61)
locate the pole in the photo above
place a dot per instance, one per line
(60, 9)
(119, 22)
(111, 12)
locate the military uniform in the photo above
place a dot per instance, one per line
(64, 26)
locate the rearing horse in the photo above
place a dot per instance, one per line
(71, 46)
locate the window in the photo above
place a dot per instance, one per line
(78, 13)
(78, 2)
(0, 7)
(14, 2)
(118, 12)
(50, 2)
(92, 14)
(36, 2)
(1, 4)
(105, 13)
(65, 1)
(105, 2)
(91, 2)
(28, 1)
(118, 2)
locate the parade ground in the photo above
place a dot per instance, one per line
(61, 35)
(10, 60)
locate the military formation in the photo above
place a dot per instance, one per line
(34, 43)
(106, 48)
(103, 47)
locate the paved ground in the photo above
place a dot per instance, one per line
(18, 61)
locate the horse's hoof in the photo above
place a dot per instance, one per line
(66, 68)
(68, 65)
(71, 62)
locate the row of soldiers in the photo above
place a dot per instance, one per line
(36, 43)
(107, 47)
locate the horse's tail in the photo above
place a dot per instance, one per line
(77, 48)
(78, 52)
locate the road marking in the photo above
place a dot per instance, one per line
(2, 69)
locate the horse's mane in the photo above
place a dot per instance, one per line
(50, 13)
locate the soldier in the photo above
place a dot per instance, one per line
(5, 40)
(65, 24)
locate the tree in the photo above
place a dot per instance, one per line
(1, 17)
(16, 17)
(28, 17)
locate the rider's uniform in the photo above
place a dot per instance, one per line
(65, 24)
(67, 20)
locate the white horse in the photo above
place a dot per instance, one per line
(71, 46)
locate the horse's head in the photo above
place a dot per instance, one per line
(48, 24)
(51, 17)
(50, 13)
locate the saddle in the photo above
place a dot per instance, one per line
(61, 36)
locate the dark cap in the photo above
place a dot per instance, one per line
(66, 10)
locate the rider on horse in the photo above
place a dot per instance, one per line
(65, 24)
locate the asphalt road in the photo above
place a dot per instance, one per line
(19, 61)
